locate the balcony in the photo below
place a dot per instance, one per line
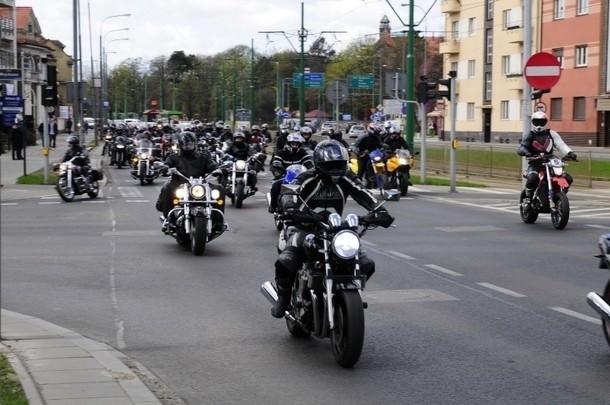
(514, 35)
(449, 47)
(514, 82)
(450, 6)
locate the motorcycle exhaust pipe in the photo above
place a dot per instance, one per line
(599, 305)
(269, 291)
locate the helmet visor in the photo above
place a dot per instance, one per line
(539, 122)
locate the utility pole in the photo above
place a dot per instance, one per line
(410, 65)
(252, 107)
(302, 38)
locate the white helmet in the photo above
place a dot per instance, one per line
(539, 121)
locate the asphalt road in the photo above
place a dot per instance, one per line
(468, 304)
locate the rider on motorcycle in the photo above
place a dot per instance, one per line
(367, 143)
(394, 141)
(326, 187)
(293, 153)
(306, 133)
(75, 149)
(541, 140)
(266, 134)
(189, 163)
(240, 150)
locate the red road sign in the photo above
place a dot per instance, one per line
(542, 70)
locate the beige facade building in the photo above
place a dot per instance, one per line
(485, 46)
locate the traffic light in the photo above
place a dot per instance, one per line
(445, 93)
(537, 94)
(50, 95)
(426, 91)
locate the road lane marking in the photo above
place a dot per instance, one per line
(443, 270)
(502, 290)
(137, 201)
(577, 315)
(401, 255)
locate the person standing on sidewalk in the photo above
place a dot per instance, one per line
(52, 132)
(69, 125)
(41, 132)
(17, 142)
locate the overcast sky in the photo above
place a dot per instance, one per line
(207, 27)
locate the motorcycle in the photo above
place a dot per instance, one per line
(601, 303)
(238, 176)
(196, 217)
(326, 298)
(108, 141)
(398, 168)
(71, 180)
(550, 195)
(376, 175)
(292, 172)
(119, 151)
(145, 166)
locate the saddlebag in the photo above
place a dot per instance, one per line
(97, 174)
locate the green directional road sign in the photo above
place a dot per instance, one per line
(360, 82)
(312, 80)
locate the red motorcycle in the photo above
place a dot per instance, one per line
(550, 195)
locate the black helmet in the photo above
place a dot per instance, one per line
(330, 158)
(73, 140)
(187, 141)
(239, 134)
(292, 139)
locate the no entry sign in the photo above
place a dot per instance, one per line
(542, 70)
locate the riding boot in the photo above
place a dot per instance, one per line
(283, 298)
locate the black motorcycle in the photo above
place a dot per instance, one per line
(119, 151)
(326, 296)
(197, 216)
(145, 166)
(73, 179)
(601, 303)
(239, 178)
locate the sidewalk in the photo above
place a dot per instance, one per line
(11, 170)
(59, 366)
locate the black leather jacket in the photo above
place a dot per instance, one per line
(190, 164)
(284, 158)
(77, 151)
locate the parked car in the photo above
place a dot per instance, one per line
(356, 130)
(89, 122)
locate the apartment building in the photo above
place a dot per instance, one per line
(484, 45)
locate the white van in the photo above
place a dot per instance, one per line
(132, 122)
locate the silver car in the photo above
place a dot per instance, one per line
(356, 130)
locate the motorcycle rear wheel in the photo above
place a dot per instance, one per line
(65, 190)
(198, 236)
(239, 194)
(347, 337)
(561, 212)
(528, 214)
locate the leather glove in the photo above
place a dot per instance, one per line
(571, 156)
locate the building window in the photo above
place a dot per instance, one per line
(556, 107)
(582, 7)
(488, 45)
(579, 109)
(470, 111)
(559, 9)
(472, 26)
(558, 52)
(454, 67)
(504, 110)
(487, 87)
(490, 9)
(581, 55)
(471, 68)
(455, 30)
(511, 65)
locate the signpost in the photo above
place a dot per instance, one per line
(542, 70)
(360, 81)
(312, 80)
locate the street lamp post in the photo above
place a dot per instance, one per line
(102, 55)
(104, 70)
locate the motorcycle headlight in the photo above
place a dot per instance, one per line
(120, 146)
(143, 156)
(198, 192)
(346, 244)
(63, 167)
(180, 193)
(215, 194)
(402, 161)
(558, 170)
(240, 165)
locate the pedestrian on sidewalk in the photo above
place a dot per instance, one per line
(17, 141)
(41, 132)
(52, 132)
(69, 125)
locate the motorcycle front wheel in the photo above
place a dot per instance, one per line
(94, 189)
(528, 214)
(198, 235)
(605, 323)
(347, 337)
(239, 194)
(560, 214)
(119, 160)
(65, 190)
(403, 183)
